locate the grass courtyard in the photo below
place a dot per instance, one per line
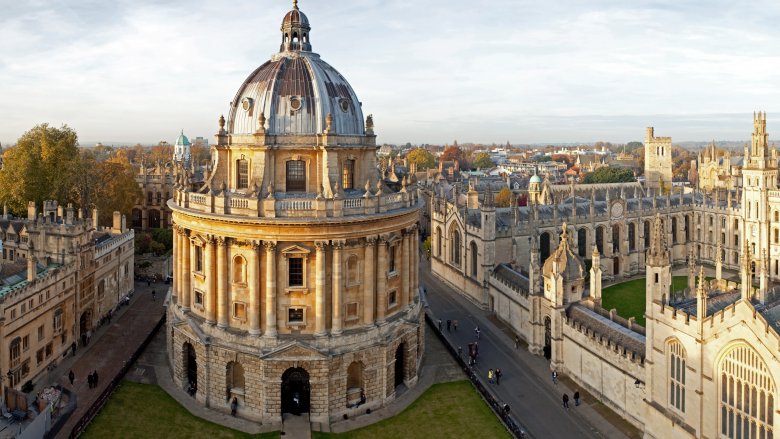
(628, 298)
(145, 411)
(446, 410)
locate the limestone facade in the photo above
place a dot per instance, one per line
(295, 266)
(658, 161)
(706, 362)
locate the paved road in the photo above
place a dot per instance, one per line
(110, 347)
(525, 385)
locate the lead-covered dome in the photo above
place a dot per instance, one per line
(295, 91)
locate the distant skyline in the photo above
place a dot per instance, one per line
(430, 72)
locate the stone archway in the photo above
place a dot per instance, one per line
(85, 321)
(399, 365)
(547, 338)
(190, 360)
(296, 391)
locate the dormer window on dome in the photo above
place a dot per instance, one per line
(295, 31)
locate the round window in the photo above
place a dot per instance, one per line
(295, 103)
(344, 104)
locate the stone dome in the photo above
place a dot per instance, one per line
(182, 140)
(535, 179)
(295, 91)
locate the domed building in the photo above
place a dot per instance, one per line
(295, 277)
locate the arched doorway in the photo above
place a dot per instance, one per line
(296, 391)
(85, 321)
(191, 368)
(544, 246)
(399, 365)
(616, 265)
(547, 338)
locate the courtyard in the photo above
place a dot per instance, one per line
(452, 410)
(628, 298)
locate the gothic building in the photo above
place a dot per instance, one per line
(295, 276)
(59, 275)
(706, 364)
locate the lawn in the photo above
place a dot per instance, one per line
(146, 411)
(628, 298)
(446, 410)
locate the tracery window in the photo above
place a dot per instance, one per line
(746, 395)
(676, 360)
(455, 253)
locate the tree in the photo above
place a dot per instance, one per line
(162, 152)
(40, 167)
(199, 153)
(608, 174)
(422, 158)
(451, 153)
(504, 197)
(483, 161)
(117, 189)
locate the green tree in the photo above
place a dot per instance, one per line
(504, 197)
(608, 174)
(422, 158)
(40, 167)
(483, 161)
(116, 188)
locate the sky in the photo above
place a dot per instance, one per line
(430, 71)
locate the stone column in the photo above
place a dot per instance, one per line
(223, 301)
(369, 291)
(270, 289)
(405, 270)
(381, 281)
(254, 290)
(187, 251)
(320, 313)
(415, 249)
(176, 263)
(338, 287)
(210, 270)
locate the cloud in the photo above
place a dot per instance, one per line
(429, 71)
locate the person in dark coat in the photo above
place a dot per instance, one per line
(498, 376)
(71, 377)
(95, 378)
(233, 406)
(566, 401)
(576, 398)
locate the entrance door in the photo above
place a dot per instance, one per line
(84, 322)
(191, 361)
(616, 266)
(547, 338)
(399, 365)
(295, 391)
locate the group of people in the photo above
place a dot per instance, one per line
(566, 395)
(494, 376)
(92, 379)
(452, 325)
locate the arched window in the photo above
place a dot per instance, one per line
(438, 241)
(674, 230)
(455, 250)
(631, 237)
(676, 361)
(473, 256)
(296, 176)
(355, 391)
(777, 216)
(242, 174)
(239, 270)
(600, 239)
(746, 395)
(348, 174)
(616, 239)
(582, 242)
(647, 234)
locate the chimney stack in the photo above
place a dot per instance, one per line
(69, 214)
(31, 268)
(95, 218)
(116, 226)
(32, 211)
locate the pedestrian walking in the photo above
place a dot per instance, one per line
(498, 376)
(566, 401)
(555, 377)
(576, 398)
(490, 376)
(71, 377)
(440, 327)
(233, 406)
(460, 352)
(95, 379)
(449, 325)
(476, 332)
(73, 348)
(517, 342)
(476, 349)
(455, 325)
(89, 336)
(154, 295)
(90, 380)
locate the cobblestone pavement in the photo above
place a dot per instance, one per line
(110, 347)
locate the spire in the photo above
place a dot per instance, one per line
(658, 254)
(701, 297)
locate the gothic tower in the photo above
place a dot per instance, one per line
(658, 161)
